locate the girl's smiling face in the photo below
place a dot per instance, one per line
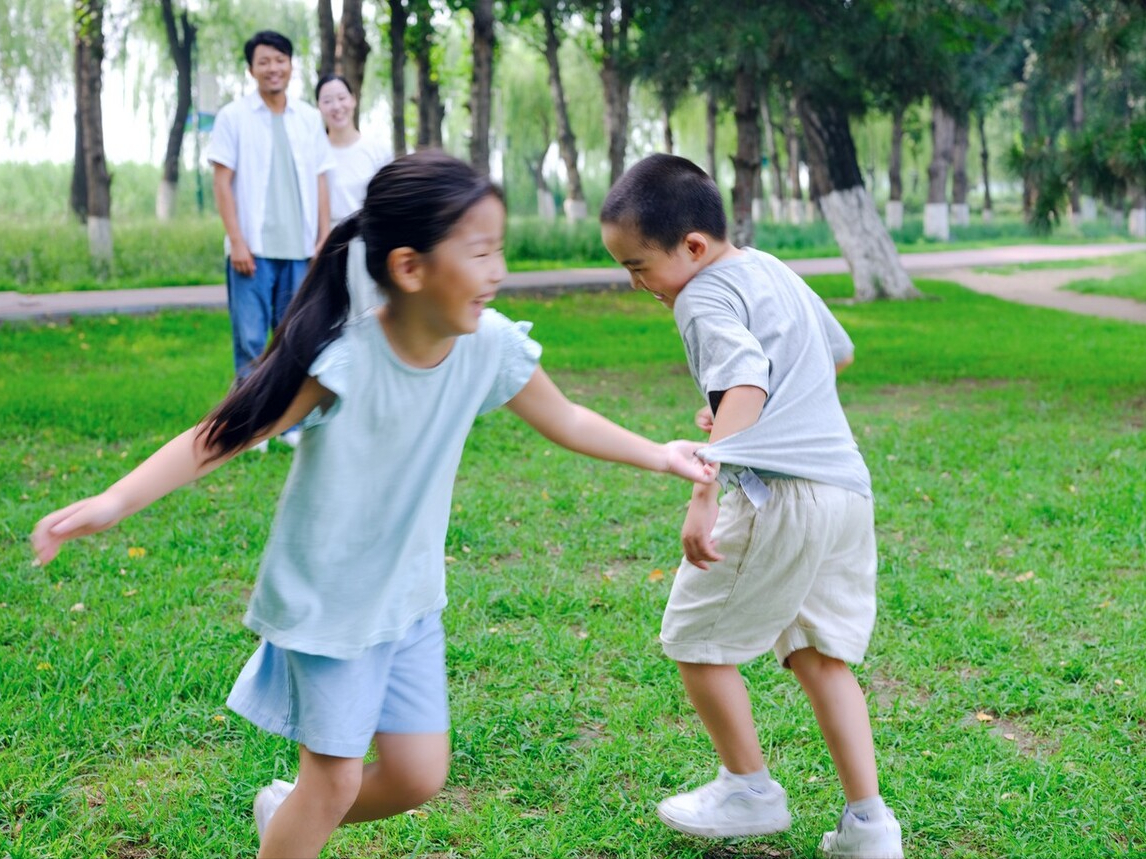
(336, 104)
(461, 274)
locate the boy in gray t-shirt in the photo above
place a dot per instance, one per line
(786, 560)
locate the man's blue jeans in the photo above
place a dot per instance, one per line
(258, 303)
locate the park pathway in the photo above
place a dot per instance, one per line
(1041, 287)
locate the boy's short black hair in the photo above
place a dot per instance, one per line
(269, 38)
(664, 198)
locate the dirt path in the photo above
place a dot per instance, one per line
(1044, 288)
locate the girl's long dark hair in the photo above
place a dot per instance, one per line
(414, 201)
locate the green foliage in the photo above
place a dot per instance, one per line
(1005, 679)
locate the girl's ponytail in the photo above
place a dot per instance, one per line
(314, 318)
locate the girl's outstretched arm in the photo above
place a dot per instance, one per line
(183, 459)
(542, 405)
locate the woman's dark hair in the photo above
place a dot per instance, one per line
(269, 38)
(664, 198)
(327, 78)
(414, 201)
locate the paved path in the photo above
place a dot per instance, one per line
(1040, 287)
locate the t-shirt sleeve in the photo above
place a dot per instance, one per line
(724, 353)
(838, 340)
(223, 148)
(519, 357)
(331, 369)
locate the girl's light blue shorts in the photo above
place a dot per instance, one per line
(336, 706)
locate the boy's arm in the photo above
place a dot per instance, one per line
(739, 409)
(182, 460)
(542, 405)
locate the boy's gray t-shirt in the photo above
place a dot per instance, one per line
(750, 320)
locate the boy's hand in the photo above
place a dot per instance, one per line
(704, 418)
(696, 533)
(683, 462)
(89, 516)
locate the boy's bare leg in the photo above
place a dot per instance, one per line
(841, 710)
(327, 786)
(721, 700)
(411, 769)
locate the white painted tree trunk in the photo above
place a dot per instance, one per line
(988, 216)
(546, 207)
(576, 210)
(795, 211)
(99, 238)
(1088, 209)
(936, 222)
(165, 200)
(1137, 223)
(893, 214)
(776, 208)
(960, 214)
(866, 245)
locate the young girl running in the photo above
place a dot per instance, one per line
(349, 596)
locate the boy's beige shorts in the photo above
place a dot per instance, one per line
(798, 572)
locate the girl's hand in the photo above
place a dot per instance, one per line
(89, 516)
(704, 418)
(696, 533)
(683, 462)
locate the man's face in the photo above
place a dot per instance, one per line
(271, 69)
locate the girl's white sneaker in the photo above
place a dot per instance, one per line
(267, 802)
(727, 808)
(878, 837)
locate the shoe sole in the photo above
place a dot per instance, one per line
(863, 854)
(781, 824)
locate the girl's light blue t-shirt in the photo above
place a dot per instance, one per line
(357, 551)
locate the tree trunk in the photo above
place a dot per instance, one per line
(776, 189)
(429, 97)
(894, 215)
(847, 206)
(575, 208)
(670, 143)
(746, 161)
(616, 78)
(79, 193)
(985, 162)
(961, 143)
(1078, 118)
(1028, 112)
(181, 43)
(326, 38)
(546, 208)
(792, 137)
(398, 75)
(89, 86)
(481, 87)
(936, 223)
(353, 49)
(711, 111)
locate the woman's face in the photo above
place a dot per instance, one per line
(336, 103)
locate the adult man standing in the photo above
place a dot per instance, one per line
(270, 154)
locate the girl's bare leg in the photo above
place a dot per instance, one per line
(326, 789)
(411, 769)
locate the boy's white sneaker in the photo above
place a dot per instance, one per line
(878, 837)
(267, 802)
(728, 808)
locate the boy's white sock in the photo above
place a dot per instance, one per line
(867, 808)
(757, 781)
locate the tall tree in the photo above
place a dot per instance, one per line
(399, 16)
(575, 208)
(327, 38)
(89, 43)
(746, 161)
(352, 49)
(618, 66)
(420, 42)
(481, 85)
(181, 35)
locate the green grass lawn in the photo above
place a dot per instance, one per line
(1006, 678)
